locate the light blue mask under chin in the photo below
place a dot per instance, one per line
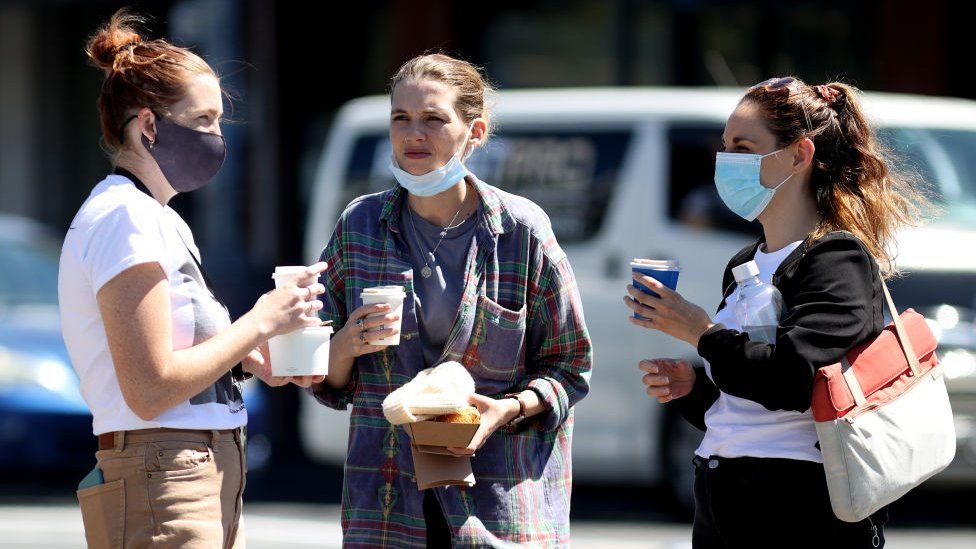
(738, 183)
(435, 181)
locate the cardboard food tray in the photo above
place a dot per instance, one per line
(434, 470)
(434, 436)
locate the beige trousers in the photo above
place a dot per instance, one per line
(167, 488)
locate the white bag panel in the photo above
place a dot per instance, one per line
(881, 454)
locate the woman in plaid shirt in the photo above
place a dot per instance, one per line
(488, 286)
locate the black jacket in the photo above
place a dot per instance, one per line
(832, 291)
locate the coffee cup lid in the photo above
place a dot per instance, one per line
(287, 271)
(384, 290)
(318, 329)
(664, 264)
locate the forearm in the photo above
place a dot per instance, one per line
(340, 368)
(190, 371)
(533, 404)
(777, 376)
(832, 307)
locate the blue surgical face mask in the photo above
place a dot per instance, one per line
(738, 183)
(435, 181)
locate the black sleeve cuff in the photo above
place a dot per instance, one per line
(706, 343)
(693, 406)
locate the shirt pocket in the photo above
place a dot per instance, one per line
(495, 353)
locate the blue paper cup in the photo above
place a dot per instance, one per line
(664, 271)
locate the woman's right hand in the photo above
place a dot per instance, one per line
(362, 328)
(667, 379)
(292, 306)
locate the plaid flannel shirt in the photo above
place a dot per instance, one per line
(519, 326)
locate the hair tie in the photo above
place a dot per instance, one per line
(128, 45)
(827, 93)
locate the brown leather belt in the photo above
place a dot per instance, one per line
(106, 441)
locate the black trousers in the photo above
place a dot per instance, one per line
(438, 532)
(765, 502)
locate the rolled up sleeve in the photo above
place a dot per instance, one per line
(334, 309)
(560, 350)
(340, 399)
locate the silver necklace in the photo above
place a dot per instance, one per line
(427, 271)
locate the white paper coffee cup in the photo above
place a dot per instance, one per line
(392, 295)
(284, 274)
(303, 352)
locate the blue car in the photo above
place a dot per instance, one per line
(44, 422)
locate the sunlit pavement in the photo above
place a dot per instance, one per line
(279, 526)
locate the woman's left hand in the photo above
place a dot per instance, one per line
(670, 313)
(494, 414)
(258, 362)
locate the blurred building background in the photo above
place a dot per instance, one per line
(292, 64)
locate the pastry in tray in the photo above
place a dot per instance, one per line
(468, 414)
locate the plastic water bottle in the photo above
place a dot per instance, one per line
(759, 305)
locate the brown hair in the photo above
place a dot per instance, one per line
(465, 78)
(855, 185)
(138, 73)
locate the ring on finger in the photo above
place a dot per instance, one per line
(361, 324)
(310, 294)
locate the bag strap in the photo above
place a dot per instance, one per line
(852, 383)
(906, 345)
(906, 342)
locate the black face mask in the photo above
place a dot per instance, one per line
(188, 158)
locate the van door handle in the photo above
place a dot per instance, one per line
(612, 265)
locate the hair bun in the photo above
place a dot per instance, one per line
(104, 46)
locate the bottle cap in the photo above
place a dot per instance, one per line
(745, 271)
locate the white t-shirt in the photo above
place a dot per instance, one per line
(116, 228)
(739, 427)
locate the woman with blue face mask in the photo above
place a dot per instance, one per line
(804, 162)
(488, 286)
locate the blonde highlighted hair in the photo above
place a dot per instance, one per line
(466, 79)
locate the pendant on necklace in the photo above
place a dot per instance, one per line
(426, 272)
(443, 234)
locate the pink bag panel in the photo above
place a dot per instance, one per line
(880, 367)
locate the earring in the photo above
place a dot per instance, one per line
(152, 143)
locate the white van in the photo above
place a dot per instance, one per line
(627, 173)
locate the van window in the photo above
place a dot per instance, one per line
(692, 198)
(945, 159)
(570, 174)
